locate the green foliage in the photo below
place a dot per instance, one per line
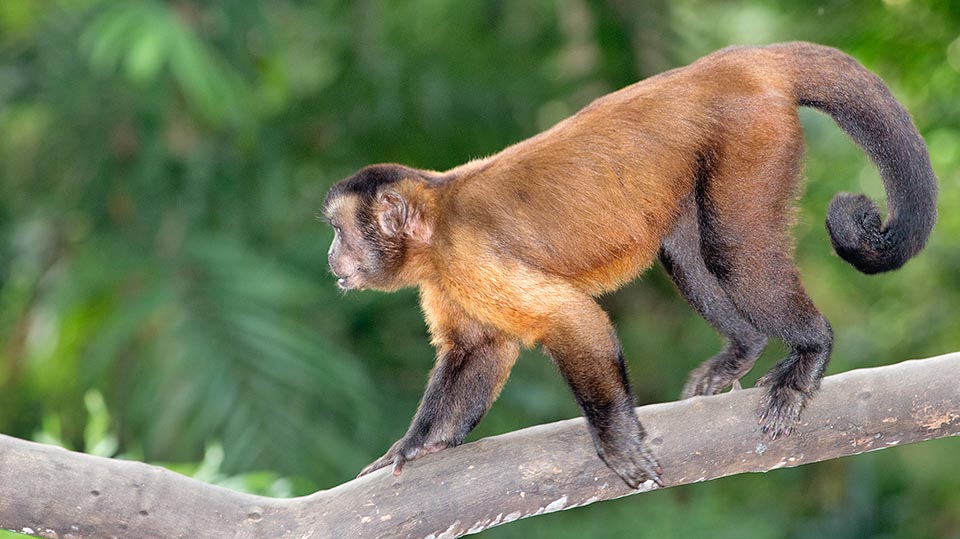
(100, 441)
(161, 164)
(141, 38)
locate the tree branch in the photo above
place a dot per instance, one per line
(51, 492)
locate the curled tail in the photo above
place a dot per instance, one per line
(862, 105)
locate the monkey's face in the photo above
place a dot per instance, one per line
(350, 256)
(380, 225)
(363, 254)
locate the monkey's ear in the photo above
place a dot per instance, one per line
(396, 216)
(391, 212)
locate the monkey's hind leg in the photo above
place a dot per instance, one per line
(745, 214)
(681, 257)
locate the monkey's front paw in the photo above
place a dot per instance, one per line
(633, 462)
(400, 453)
(780, 410)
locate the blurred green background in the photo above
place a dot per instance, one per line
(163, 286)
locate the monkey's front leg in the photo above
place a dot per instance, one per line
(585, 347)
(472, 366)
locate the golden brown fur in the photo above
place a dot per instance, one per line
(506, 235)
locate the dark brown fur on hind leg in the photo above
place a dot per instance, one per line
(746, 245)
(681, 257)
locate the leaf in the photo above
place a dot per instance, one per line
(147, 54)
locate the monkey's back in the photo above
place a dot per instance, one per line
(590, 199)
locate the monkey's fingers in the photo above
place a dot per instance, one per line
(401, 453)
(381, 462)
(398, 463)
(406, 455)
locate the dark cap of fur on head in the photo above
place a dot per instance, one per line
(368, 181)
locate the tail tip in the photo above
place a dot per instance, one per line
(856, 230)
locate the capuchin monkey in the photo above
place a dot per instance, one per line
(699, 167)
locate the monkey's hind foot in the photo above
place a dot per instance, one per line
(400, 453)
(780, 410)
(633, 462)
(706, 380)
(726, 368)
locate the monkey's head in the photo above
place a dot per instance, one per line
(381, 221)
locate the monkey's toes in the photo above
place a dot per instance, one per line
(780, 411)
(704, 381)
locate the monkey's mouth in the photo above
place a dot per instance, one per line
(349, 276)
(347, 282)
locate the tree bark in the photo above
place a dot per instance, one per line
(51, 492)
